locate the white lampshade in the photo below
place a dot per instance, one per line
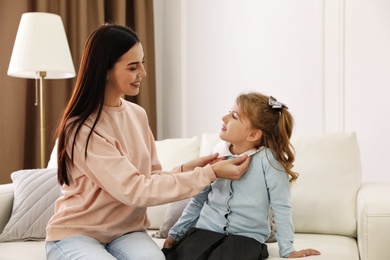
(41, 46)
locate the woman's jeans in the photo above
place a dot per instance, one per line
(131, 246)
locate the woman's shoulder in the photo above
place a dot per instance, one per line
(133, 107)
(131, 104)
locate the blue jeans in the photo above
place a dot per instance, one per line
(131, 246)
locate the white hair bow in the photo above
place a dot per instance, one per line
(275, 103)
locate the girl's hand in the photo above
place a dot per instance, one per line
(304, 253)
(169, 242)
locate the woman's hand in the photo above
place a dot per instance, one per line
(200, 162)
(304, 253)
(231, 169)
(169, 242)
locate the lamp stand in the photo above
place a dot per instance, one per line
(41, 51)
(42, 75)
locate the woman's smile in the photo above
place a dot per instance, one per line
(136, 84)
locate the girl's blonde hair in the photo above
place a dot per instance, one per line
(276, 124)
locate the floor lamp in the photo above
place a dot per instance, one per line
(41, 51)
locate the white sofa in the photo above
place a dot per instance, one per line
(333, 211)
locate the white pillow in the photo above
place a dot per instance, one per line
(208, 142)
(172, 215)
(324, 195)
(35, 192)
(53, 157)
(176, 151)
(172, 152)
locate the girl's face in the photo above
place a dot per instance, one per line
(126, 76)
(236, 129)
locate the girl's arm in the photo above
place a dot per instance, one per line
(279, 191)
(189, 217)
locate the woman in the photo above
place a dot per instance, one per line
(107, 161)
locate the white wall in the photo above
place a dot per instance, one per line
(367, 82)
(329, 60)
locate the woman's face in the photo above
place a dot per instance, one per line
(126, 75)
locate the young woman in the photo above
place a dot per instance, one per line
(231, 217)
(107, 161)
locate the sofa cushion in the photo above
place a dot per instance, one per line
(171, 153)
(373, 210)
(208, 142)
(31, 250)
(172, 215)
(35, 192)
(332, 247)
(53, 156)
(6, 199)
(176, 151)
(324, 195)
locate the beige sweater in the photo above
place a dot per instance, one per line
(110, 190)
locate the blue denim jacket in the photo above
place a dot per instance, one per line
(241, 207)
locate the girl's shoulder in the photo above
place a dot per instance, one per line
(264, 153)
(266, 158)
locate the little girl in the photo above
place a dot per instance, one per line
(229, 219)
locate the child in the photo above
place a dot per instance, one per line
(229, 219)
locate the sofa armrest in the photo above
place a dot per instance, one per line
(373, 216)
(6, 202)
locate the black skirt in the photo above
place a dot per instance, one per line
(200, 244)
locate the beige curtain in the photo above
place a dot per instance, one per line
(19, 118)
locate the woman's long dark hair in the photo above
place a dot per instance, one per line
(102, 50)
